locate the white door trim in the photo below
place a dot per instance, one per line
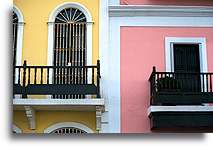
(169, 56)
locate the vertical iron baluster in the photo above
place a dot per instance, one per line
(41, 75)
(24, 95)
(207, 83)
(35, 75)
(48, 71)
(211, 83)
(98, 79)
(63, 53)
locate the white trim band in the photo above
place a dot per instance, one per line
(159, 10)
(85, 102)
(195, 108)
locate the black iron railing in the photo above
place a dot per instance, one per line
(175, 86)
(59, 81)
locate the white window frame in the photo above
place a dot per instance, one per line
(68, 124)
(19, 39)
(169, 55)
(51, 20)
(19, 35)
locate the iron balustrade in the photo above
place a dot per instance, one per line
(180, 88)
(75, 81)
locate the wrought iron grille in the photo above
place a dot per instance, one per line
(70, 48)
(68, 130)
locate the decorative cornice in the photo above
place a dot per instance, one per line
(160, 10)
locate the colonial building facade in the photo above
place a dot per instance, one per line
(112, 66)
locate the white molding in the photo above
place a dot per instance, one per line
(64, 5)
(195, 108)
(114, 2)
(68, 124)
(19, 14)
(52, 16)
(152, 21)
(169, 57)
(103, 51)
(19, 39)
(113, 54)
(17, 129)
(59, 102)
(159, 10)
(30, 114)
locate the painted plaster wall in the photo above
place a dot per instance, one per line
(35, 38)
(44, 119)
(142, 48)
(168, 2)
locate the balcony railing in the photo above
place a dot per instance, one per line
(61, 82)
(173, 88)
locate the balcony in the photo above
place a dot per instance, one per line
(72, 88)
(181, 101)
(67, 87)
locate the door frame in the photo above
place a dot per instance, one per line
(169, 51)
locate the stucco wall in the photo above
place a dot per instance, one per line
(44, 119)
(35, 39)
(142, 48)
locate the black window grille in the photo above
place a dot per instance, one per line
(70, 49)
(68, 130)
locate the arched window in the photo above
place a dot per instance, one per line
(15, 32)
(18, 27)
(69, 42)
(68, 128)
(72, 44)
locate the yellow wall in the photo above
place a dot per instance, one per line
(36, 14)
(35, 51)
(44, 119)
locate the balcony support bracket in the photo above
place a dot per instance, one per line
(99, 110)
(30, 114)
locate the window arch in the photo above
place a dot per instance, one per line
(68, 128)
(88, 35)
(70, 15)
(70, 41)
(15, 32)
(18, 27)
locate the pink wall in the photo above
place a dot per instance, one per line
(167, 2)
(141, 48)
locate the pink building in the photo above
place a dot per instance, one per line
(159, 61)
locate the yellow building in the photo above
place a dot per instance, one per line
(57, 76)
